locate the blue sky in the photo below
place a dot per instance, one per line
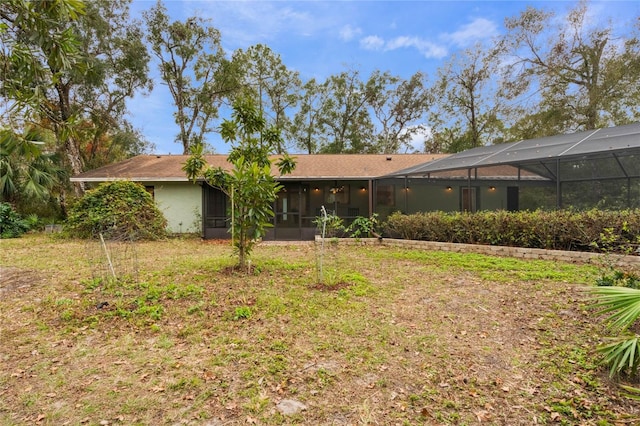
(321, 38)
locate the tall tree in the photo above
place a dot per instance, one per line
(468, 112)
(305, 125)
(266, 78)
(581, 74)
(345, 125)
(39, 49)
(194, 68)
(106, 65)
(250, 185)
(400, 107)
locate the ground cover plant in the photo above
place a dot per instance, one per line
(410, 337)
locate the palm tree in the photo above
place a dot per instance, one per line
(27, 171)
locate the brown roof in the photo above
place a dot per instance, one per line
(318, 166)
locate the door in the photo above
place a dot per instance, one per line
(469, 202)
(512, 198)
(291, 206)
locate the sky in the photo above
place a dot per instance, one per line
(323, 38)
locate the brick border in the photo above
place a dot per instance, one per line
(504, 251)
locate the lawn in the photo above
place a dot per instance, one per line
(392, 336)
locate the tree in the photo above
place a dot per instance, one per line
(39, 47)
(28, 172)
(194, 68)
(306, 123)
(267, 79)
(250, 185)
(580, 75)
(468, 113)
(399, 105)
(104, 64)
(344, 122)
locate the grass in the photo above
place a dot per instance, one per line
(393, 337)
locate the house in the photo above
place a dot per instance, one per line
(586, 169)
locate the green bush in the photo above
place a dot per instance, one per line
(593, 230)
(12, 225)
(117, 209)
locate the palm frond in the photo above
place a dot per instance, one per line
(622, 303)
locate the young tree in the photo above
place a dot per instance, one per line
(581, 75)
(194, 67)
(250, 185)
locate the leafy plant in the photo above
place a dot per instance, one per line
(12, 225)
(622, 304)
(363, 226)
(622, 355)
(619, 278)
(333, 224)
(120, 208)
(242, 312)
(250, 185)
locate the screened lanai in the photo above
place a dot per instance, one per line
(597, 168)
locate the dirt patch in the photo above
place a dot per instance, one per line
(16, 279)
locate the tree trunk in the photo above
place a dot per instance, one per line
(75, 162)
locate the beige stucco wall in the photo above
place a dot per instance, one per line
(181, 204)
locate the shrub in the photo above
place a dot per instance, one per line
(117, 209)
(363, 226)
(593, 230)
(12, 225)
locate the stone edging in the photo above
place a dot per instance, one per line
(517, 252)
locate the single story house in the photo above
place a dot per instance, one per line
(549, 172)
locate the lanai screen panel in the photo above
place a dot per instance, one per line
(542, 154)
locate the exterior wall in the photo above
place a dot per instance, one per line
(492, 199)
(181, 204)
(424, 197)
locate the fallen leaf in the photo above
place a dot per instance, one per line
(482, 415)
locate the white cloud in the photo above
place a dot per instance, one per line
(372, 43)
(244, 23)
(469, 34)
(425, 47)
(347, 33)
(466, 35)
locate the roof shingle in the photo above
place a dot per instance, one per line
(317, 166)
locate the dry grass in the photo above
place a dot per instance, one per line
(392, 337)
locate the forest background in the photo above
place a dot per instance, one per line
(78, 82)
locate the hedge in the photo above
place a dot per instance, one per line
(592, 230)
